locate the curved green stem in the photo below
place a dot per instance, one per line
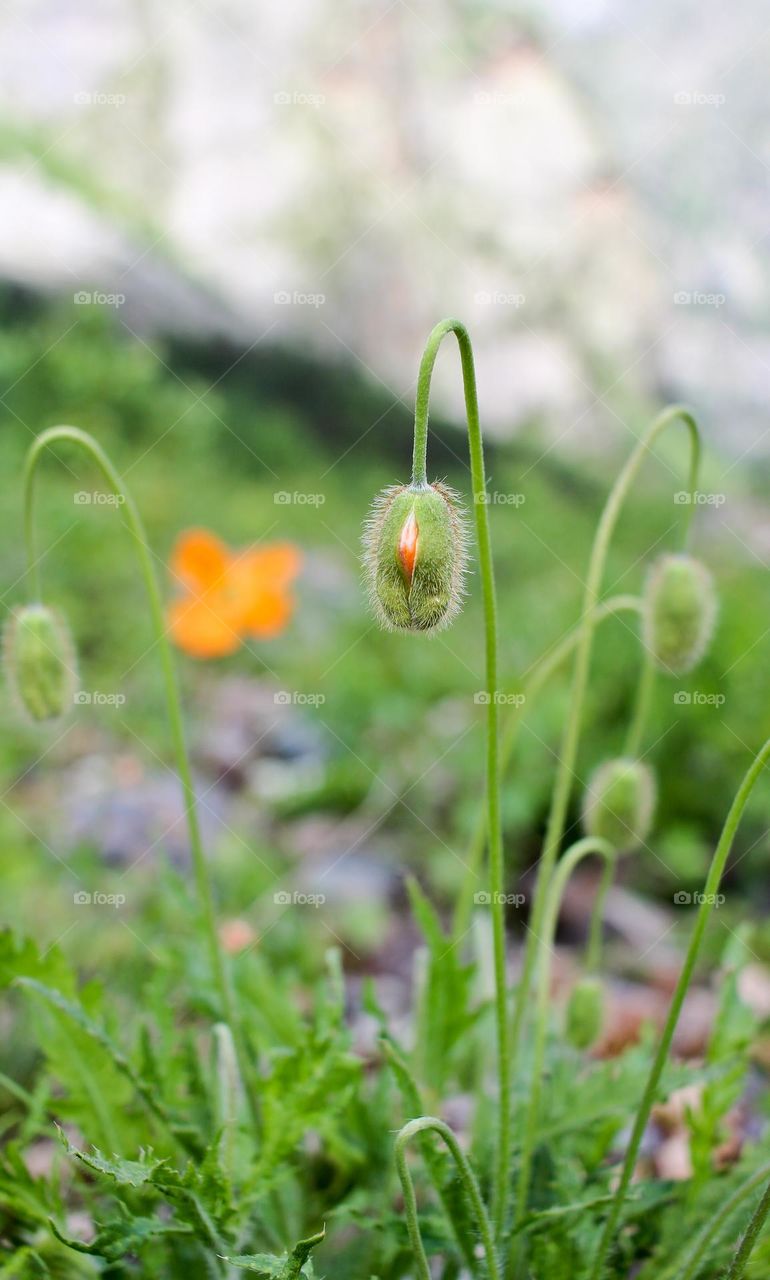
(644, 690)
(562, 872)
(593, 955)
(568, 753)
(708, 897)
(470, 1186)
(746, 1246)
(496, 869)
(542, 670)
(698, 1251)
(135, 528)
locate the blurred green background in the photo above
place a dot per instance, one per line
(229, 233)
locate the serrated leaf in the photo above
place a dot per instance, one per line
(126, 1173)
(289, 1267)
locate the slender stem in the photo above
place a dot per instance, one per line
(644, 690)
(746, 1246)
(470, 1186)
(569, 746)
(496, 869)
(542, 670)
(707, 900)
(697, 1252)
(593, 954)
(563, 870)
(135, 528)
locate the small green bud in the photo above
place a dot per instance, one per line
(619, 802)
(679, 610)
(40, 661)
(585, 1013)
(415, 556)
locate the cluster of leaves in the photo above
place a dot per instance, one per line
(139, 1146)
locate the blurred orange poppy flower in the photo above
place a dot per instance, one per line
(229, 595)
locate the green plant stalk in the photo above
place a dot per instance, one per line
(135, 527)
(494, 827)
(746, 1246)
(413, 1102)
(696, 1253)
(568, 753)
(470, 1186)
(542, 670)
(711, 888)
(644, 691)
(564, 868)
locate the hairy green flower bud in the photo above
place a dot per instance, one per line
(415, 556)
(585, 1013)
(40, 661)
(679, 611)
(619, 802)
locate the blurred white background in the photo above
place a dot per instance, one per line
(587, 188)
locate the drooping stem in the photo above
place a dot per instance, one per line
(699, 1250)
(135, 526)
(593, 955)
(746, 1246)
(569, 746)
(564, 868)
(496, 869)
(707, 900)
(644, 690)
(541, 673)
(470, 1187)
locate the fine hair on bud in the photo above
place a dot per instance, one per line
(680, 607)
(39, 659)
(415, 556)
(619, 802)
(584, 1014)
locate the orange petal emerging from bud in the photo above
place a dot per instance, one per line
(407, 546)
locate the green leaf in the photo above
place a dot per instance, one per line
(76, 1014)
(126, 1173)
(288, 1267)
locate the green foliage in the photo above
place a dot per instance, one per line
(181, 1155)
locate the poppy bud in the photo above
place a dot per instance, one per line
(40, 661)
(620, 802)
(679, 611)
(585, 1013)
(414, 556)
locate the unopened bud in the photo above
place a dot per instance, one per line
(679, 611)
(40, 661)
(585, 1013)
(620, 802)
(415, 556)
